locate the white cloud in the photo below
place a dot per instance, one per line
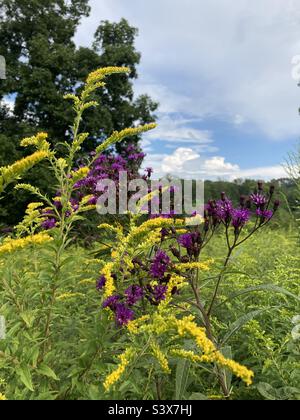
(176, 162)
(178, 130)
(217, 165)
(221, 58)
(186, 163)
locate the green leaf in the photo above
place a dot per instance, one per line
(182, 376)
(25, 376)
(227, 352)
(28, 318)
(262, 287)
(47, 371)
(267, 391)
(243, 320)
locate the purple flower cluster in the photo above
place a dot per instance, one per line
(49, 224)
(223, 211)
(122, 306)
(160, 265)
(191, 242)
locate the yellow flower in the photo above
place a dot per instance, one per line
(2, 397)
(109, 287)
(12, 245)
(66, 296)
(175, 281)
(116, 374)
(162, 359)
(101, 73)
(133, 326)
(80, 174)
(39, 141)
(205, 266)
(118, 136)
(10, 173)
(187, 326)
(186, 354)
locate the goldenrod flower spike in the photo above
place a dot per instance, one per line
(39, 141)
(161, 358)
(115, 376)
(118, 136)
(110, 284)
(2, 397)
(12, 245)
(98, 75)
(8, 174)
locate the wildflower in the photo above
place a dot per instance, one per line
(149, 172)
(259, 200)
(159, 293)
(123, 314)
(116, 375)
(9, 173)
(162, 359)
(160, 265)
(79, 174)
(195, 265)
(101, 283)
(191, 242)
(276, 205)
(12, 245)
(186, 241)
(223, 210)
(2, 397)
(66, 296)
(240, 217)
(49, 224)
(133, 326)
(39, 141)
(111, 302)
(264, 214)
(211, 354)
(110, 284)
(134, 294)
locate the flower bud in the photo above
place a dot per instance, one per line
(276, 205)
(175, 252)
(242, 200)
(272, 189)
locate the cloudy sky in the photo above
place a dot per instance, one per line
(225, 75)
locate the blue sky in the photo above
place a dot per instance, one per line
(222, 72)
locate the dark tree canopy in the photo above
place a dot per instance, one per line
(43, 64)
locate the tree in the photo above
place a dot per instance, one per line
(43, 63)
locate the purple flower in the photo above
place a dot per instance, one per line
(186, 240)
(240, 217)
(101, 283)
(134, 294)
(259, 200)
(92, 201)
(49, 224)
(224, 210)
(159, 265)
(111, 302)
(189, 240)
(149, 172)
(160, 292)
(264, 214)
(58, 204)
(123, 314)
